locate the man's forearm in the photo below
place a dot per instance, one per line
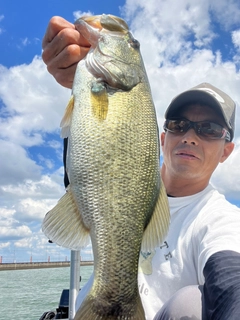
(221, 291)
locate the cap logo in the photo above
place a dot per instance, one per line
(213, 93)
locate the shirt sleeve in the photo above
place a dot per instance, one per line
(221, 291)
(217, 229)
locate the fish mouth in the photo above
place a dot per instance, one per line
(108, 22)
(90, 26)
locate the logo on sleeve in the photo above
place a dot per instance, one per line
(145, 262)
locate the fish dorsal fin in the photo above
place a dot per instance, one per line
(157, 227)
(66, 120)
(63, 224)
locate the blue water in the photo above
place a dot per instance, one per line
(27, 294)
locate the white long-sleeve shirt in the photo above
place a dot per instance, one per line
(201, 225)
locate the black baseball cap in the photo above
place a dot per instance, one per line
(212, 97)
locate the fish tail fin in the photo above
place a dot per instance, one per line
(140, 314)
(66, 120)
(157, 227)
(63, 224)
(90, 310)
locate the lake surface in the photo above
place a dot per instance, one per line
(27, 294)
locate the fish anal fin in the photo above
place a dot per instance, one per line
(63, 224)
(66, 120)
(99, 100)
(158, 225)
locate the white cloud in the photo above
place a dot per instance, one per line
(226, 177)
(16, 165)
(32, 105)
(87, 253)
(78, 14)
(23, 243)
(6, 213)
(236, 38)
(33, 210)
(187, 23)
(1, 29)
(225, 12)
(33, 101)
(25, 42)
(54, 144)
(11, 228)
(14, 233)
(5, 245)
(48, 186)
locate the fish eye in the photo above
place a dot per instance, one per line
(134, 43)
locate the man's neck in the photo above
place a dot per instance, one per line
(182, 187)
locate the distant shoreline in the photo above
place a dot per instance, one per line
(39, 265)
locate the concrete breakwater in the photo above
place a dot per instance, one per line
(39, 265)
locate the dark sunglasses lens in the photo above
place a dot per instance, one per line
(177, 126)
(210, 130)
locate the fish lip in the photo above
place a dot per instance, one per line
(89, 30)
(186, 152)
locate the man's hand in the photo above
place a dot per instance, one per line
(63, 47)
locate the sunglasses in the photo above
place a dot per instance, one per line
(205, 129)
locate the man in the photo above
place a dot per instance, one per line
(195, 274)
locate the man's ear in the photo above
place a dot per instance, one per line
(162, 139)
(228, 149)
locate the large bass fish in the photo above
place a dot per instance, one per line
(115, 194)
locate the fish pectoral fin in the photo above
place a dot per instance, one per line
(99, 100)
(66, 120)
(63, 224)
(158, 225)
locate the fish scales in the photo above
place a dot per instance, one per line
(113, 168)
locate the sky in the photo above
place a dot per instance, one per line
(183, 44)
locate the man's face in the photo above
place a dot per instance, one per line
(188, 155)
